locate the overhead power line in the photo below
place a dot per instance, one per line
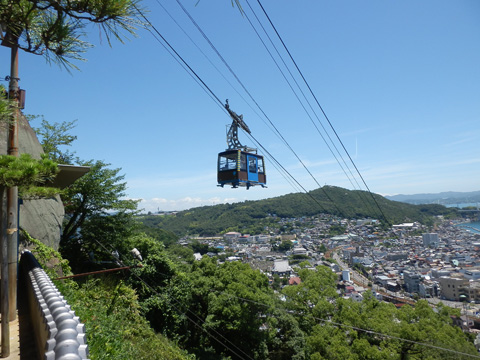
(149, 286)
(326, 321)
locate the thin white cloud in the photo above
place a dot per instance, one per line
(162, 204)
(463, 138)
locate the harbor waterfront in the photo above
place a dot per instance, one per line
(472, 226)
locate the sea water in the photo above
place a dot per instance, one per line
(473, 226)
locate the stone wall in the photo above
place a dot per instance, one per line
(42, 218)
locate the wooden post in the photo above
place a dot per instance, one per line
(12, 192)
(5, 338)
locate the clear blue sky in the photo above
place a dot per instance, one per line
(399, 81)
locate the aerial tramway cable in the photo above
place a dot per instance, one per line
(295, 93)
(214, 97)
(325, 321)
(256, 103)
(360, 194)
(323, 112)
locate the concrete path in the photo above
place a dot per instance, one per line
(22, 342)
(14, 330)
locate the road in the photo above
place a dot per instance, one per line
(359, 279)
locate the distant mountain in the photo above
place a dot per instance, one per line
(443, 198)
(254, 216)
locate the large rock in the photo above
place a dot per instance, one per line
(27, 139)
(42, 218)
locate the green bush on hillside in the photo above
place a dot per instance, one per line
(111, 313)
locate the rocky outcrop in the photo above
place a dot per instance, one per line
(42, 218)
(27, 139)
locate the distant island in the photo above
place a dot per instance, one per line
(443, 198)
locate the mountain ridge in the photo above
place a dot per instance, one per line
(442, 198)
(254, 216)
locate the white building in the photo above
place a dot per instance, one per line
(281, 268)
(473, 274)
(356, 296)
(299, 251)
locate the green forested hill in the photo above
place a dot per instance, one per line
(253, 216)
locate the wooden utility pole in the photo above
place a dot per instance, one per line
(12, 192)
(5, 338)
(9, 211)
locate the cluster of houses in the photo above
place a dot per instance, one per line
(406, 261)
(443, 264)
(406, 258)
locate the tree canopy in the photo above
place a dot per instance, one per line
(96, 205)
(55, 29)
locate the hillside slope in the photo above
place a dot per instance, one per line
(252, 216)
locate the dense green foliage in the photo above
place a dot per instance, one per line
(55, 29)
(253, 217)
(95, 204)
(28, 174)
(54, 137)
(24, 171)
(115, 327)
(219, 311)
(110, 310)
(216, 311)
(229, 311)
(95, 194)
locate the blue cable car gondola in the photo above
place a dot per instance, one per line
(239, 165)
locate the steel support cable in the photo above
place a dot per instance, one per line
(213, 96)
(367, 204)
(306, 192)
(250, 95)
(179, 56)
(208, 59)
(180, 311)
(275, 130)
(282, 171)
(219, 102)
(303, 106)
(195, 78)
(323, 112)
(184, 66)
(190, 71)
(296, 95)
